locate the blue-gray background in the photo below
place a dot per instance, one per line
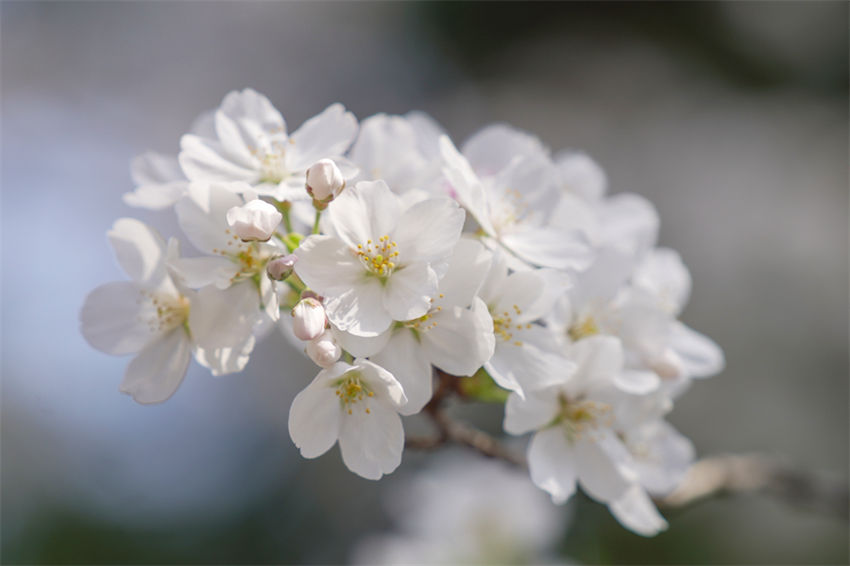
(732, 118)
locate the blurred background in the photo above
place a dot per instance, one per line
(731, 117)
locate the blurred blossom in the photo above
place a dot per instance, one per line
(464, 509)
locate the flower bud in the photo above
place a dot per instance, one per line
(324, 351)
(324, 180)
(254, 220)
(308, 319)
(280, 267)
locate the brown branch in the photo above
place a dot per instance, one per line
(752, 473)
(708, 478)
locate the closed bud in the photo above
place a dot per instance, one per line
(324, 180)
(254, 220)
(280, 267)
(324, 351)
(308, 319)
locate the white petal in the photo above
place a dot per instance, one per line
(155, 374)
(197, 272)
(550, 247)
(581, 175)
(532, 413)
(408, 291)
(325, 135)
(371, 443)
(236, 143)
(429, 230)
(700, 355)
(466, 186)
(637, 382)
(249, 104)
(112, 319)
(367, 211)
(223, 361)
(153, 168)
(460, 340)
(468, 267)
(629, 222)
(315, 415)
(383, 383)
(156, 197)
(494, 147)
(327, 265)
(599, 359)
(224, 318)
(140, 251)
(202, 215)
(405, 360)
(598, 284)
(551, 463)
(663, 456)
(635, 511)
(361, 346)
(663, 274)
(603, 465)
(360, 309)
(205, 160)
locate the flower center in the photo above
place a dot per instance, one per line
(378, 257)
(508, 210)
(504, 327)
(164, 312)
(579, 416)
(583, 328)
(351, 389)
(250, 257)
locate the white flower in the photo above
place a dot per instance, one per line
(402, 151)
(254, 220)
(324, 180)
(357, 405)
(251, 145)
(513, 206)
(324, 350)
(159, 181)
(455, 335)
(527, 356)
(153, 317)
(378, 263)
(202, 214)
(308, 319)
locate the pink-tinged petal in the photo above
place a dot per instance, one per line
(371, 443)
(604, 464)
(465, 183)
(408, 291)
(405, 360)
(636, 511)
(197, 272)
(699, 354)
(552, 465)
(202, 212)
(155, 374)
(325, 135)
(429, 230)
(205, 160)
(140, 251)
(113, 319)
(495, 147)
(367, 211)
(459, 341)
(549, 247)
(532, 413)
(315, 415)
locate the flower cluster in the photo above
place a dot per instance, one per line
(388, 254)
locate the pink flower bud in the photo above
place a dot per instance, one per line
(281, 267)
(254, 220)
(308, 319)
(324, 180)
(324, 351)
